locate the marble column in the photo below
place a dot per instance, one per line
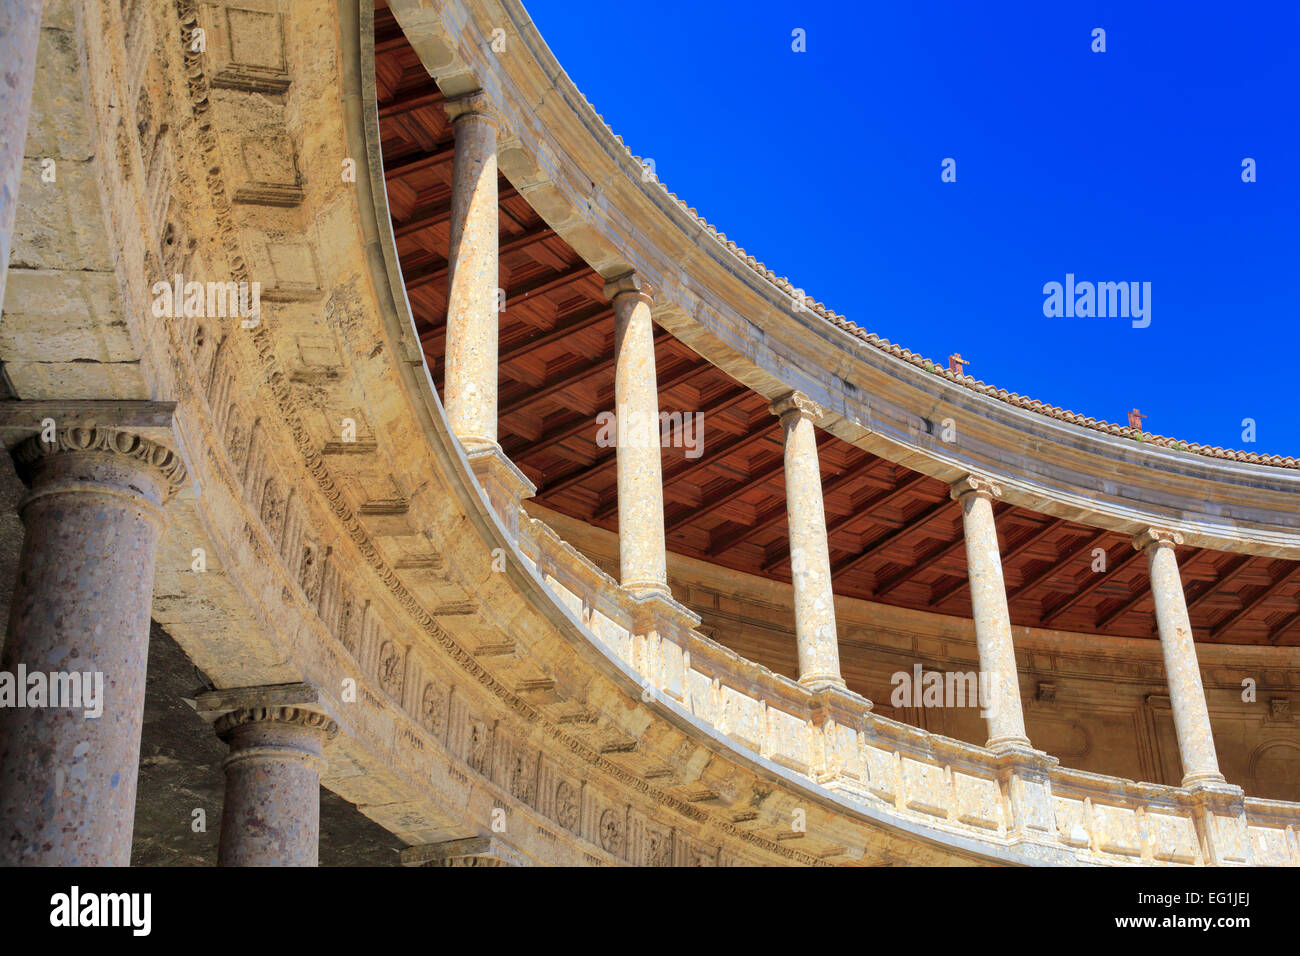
(470, 382)
(643, 561)
(1186, 695)
(20, 31)
(988, 593)
(810, 558)
(81, 605)
(271, 813)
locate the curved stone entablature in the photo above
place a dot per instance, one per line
(586, 184)
(333, 534)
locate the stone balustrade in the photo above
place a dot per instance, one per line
(832, 739)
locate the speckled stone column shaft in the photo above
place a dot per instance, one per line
(81, 604)
(643, 560)
(810, 558)
(470, 382)
(271, 814)
(988, 594)
(20, 30)
(1186, 694)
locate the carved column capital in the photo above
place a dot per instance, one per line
(34, 455)
(630, 284)
(311, 720)
(796, 404)
(472, 851)
(475, 105)
(1155, 538)
(975, 485)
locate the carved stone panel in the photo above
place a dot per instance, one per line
(612, 831)
(566, 805)
(391, 661)
(433, 709)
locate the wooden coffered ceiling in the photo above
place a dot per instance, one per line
(895, 535)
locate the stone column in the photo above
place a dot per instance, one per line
(470, 383)
(992, 618)
(1186, 695)
(641, 545)
(810, 557)
(20, 31)
(81, 607)
(271, 813)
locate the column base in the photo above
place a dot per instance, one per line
(820, 682)
(1010, 743)
(648, 590)
(661, 633)
(1219, 812)
(505, 484)
(1026, 778)
(1193, 781)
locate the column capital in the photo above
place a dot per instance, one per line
(34, 454)
(630, 283)
(974, 485)
(475, 104)
(796, 404)
(1155, 538)
(473, 851)
(299, 717)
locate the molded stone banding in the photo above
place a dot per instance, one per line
(470, 388)
(1186, 693)
(271, 814)
(643, 562)
(810, 560)
(992, 617)
(82, 602)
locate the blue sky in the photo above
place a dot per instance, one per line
(1115, 166)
